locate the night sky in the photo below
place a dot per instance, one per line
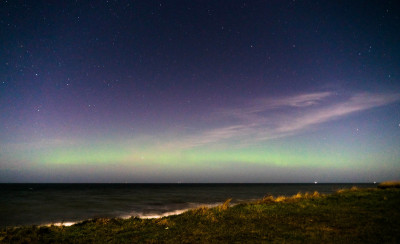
(199, 91)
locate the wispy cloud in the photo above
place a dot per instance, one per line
(298, 101)
(356, 103)
(271, 118)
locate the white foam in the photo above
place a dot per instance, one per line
(144, 216)
(175, 212)
(61, 224)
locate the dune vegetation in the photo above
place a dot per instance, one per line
(347, 216)
(389, 184)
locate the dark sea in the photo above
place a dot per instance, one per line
(43, 204)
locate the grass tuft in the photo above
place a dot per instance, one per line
(225, 205)
(297, 196)
(281, 199)
(200, 210)
(267, 199)
(389, 184)
(294, 198)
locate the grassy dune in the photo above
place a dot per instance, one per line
(348, 216)
(389, 184)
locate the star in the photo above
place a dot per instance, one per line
(196, 67)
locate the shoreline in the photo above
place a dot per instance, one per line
(391, 184)
(356, 215)
(161, 200)
(144, 216)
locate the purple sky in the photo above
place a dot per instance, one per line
(199, 91)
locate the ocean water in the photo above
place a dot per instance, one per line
(42, 204)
